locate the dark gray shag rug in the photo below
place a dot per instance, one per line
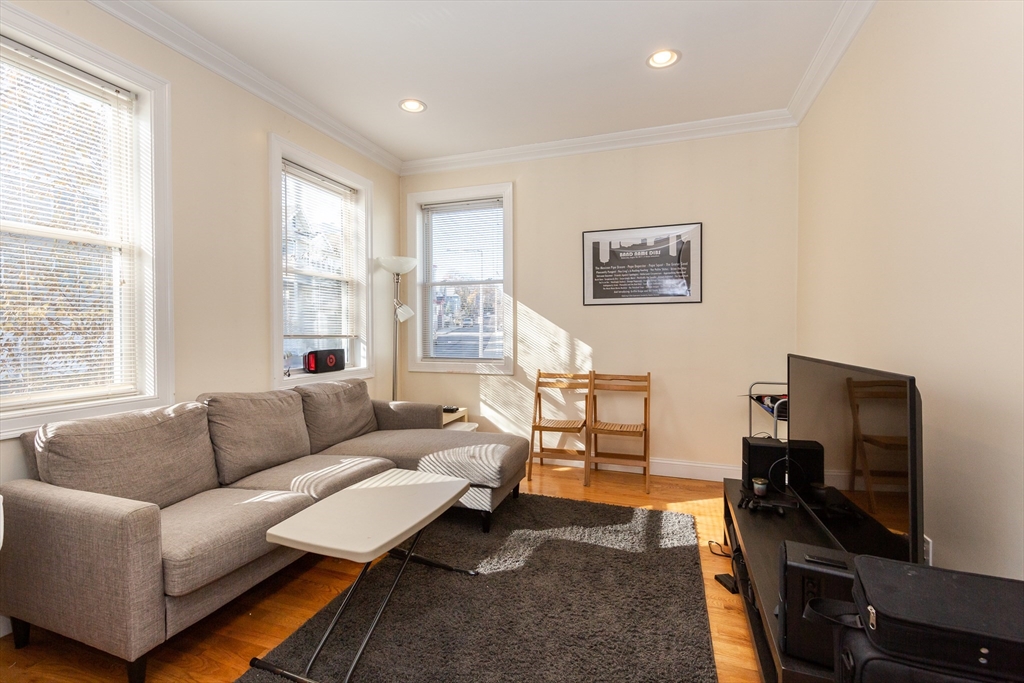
(568, 591)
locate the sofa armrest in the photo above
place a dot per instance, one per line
(407, 415)
(85, 565)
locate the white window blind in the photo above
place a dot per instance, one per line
(72, 325)
(464, 313)
(321, 264)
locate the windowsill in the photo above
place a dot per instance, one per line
(466, 367)
(16, 423)
(299, 377)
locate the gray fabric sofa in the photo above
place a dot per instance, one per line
(137, 525)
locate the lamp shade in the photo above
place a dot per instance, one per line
(397, 264)
(403, 313)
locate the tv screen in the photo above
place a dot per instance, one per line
(869, 424)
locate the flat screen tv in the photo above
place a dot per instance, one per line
(869, 425)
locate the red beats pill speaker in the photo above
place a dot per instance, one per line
(324, 361)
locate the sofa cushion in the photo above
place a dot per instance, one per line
(335, 412)
(28, 447)
(215, 532)
(161, 455)
(254, 431)
(315, 475)
(484, 459)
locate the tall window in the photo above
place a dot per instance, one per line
(323, 239)
(465, 288)
(77, 312)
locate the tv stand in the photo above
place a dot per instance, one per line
(756, 535)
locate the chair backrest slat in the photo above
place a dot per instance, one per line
(563, 380)
(604, 386)
(606, 382)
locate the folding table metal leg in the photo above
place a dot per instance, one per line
(400, 554)
(258, 663)
(384, 604)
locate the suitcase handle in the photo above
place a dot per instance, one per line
(833, 612)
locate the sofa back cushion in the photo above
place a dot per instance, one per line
(336, 411)
(161, 455)
(28, 447)
(254, 431)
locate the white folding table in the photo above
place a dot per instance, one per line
(360, 524)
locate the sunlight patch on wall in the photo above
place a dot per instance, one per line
(508, 401)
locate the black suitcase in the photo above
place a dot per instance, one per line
(807, 572)
(859, 661)
(922, 624)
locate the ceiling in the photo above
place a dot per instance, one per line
(520, 77)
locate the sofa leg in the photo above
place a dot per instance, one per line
(515, 491)
(20, 629)
(486, 521)
(137, 670)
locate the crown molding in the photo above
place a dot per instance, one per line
(851, 16)
(167, 30)
(175, 35)
(643, 137)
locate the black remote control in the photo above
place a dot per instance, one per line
(450, 409)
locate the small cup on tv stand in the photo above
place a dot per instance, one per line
(818, 493)
(760, 486)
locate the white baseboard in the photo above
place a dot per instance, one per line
(680, 469)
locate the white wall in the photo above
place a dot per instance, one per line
(220, 171)
(911, 256)
(702, 356)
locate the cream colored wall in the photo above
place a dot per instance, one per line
(221, 221)
(911, 256)
(702, 356)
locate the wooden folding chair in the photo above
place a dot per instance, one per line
(884, 390)
(640, 384)
(557, 382)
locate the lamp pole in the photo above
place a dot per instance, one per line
(394, 355)
(397, 265)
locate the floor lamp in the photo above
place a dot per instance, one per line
(398, 265)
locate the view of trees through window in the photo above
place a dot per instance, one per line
(319, 260)
(66, 256)
(464, 311)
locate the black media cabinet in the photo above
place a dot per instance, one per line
(757, 535)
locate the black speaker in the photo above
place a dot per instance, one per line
(765, 458)
(328, 360)
(806, 465)
(805, 572)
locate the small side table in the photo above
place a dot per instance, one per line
(458, 421)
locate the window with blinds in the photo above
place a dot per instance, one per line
(462, 305)
(322, 265)
(72, 286)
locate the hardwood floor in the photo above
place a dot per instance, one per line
(219, 647)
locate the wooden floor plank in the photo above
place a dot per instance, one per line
(218, 648)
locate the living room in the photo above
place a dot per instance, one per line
(872, 216)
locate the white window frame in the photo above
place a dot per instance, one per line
(152, 158)
(281, 150)
(414, 236)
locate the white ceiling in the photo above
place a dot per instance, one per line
(521, 75)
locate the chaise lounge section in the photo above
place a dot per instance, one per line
(135, 526)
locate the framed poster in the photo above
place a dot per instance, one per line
(654, 265)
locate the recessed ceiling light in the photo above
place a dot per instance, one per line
(663, 58)
(412, 106)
